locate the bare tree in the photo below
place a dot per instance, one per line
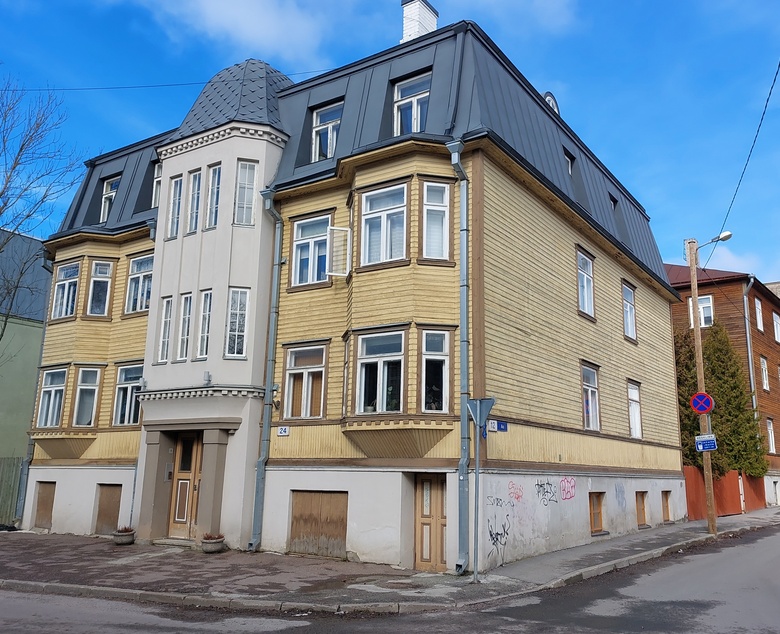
(36, 167)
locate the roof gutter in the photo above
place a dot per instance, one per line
(455, 148)
(270, 366)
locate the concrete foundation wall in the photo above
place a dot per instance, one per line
(76, 496)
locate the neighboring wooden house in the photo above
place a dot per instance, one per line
(86, 426)
(24, 285)
(750, 312)
(397, 167)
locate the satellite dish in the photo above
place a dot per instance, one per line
(551, 101)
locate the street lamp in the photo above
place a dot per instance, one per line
(692, 252)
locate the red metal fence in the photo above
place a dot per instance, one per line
(727, 496)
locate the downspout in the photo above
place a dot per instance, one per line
(751, 372)
(455, 148)
(270, 366)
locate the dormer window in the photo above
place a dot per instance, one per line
(326, 128)
(411, 104)
(110, 186)
(157, 185)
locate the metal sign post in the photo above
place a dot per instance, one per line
(479, 408)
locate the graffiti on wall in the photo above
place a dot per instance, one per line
(620, 495)
(547, 492)
(568, 488)
(498, 536)
(515, 491)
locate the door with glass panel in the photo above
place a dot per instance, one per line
(430, 535)
(188, 459)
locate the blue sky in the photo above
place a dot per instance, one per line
(667, 93)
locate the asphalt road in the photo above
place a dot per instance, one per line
(728, 587)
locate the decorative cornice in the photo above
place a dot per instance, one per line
(220, 134)
(246, 391)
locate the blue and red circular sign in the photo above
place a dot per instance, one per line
(702, 403)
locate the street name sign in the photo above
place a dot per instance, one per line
(706, 442)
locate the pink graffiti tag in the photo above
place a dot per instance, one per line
(568, 488)
(515, 491)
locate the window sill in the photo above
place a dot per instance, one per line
(378, 266)
(436, 262)
(234, 358)
(62, 320)
(191, 233)
(643, 527)
(247, 225)
(631, 340)
(600, 534)
(138, 313)
(309, 287)
(106, 318)
(179, 361)
(587, 316)
(210, 228)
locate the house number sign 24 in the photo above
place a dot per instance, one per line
(283, 430)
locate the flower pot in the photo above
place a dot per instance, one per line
(124, 538)
(212, 545)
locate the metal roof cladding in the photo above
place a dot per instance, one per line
(244, 92)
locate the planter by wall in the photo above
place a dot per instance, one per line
(123, 538)
(213, 545)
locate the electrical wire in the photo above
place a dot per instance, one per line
(747, 162)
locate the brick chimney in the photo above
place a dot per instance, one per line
(419, 18)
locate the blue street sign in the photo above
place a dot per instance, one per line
(502, 425)
(706, 442)
(702, 403)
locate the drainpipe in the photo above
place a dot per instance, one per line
(270, 365)
(455, 148)
(751, 372)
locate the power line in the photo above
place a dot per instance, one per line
(147, 86)
(744, 169)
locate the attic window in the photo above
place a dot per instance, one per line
(411, 104)
(569, 162)
(110, 185)
(157, 185)
(327, 122)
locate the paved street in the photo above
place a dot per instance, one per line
(729, 586)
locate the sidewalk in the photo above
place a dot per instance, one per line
(95, 567)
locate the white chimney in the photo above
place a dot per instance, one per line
(419, 18)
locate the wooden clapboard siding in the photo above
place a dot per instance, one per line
(535, 339)
(408, 294)
(102, 343)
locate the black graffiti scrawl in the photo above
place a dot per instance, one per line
(547, 492)
(498, 535)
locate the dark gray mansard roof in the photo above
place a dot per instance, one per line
(132, 204)
(475, 91)
(244, 92)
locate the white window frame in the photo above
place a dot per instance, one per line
(629, 311)
(245, 193)
(101, 274)
(66, 291)
(339, 258)
(193, 211)
(589, 378)
(764, 373)
(431, 209)
(776, 324)
(417, 102)
(185, 325)
(83, 387)
(585, 293)
(307, 373)
(379, 399)
(634, 410)
(174, 213)
(759, 314)
(215, 179)
(706, 311)
(443, 355)
(385, 215)
(236, 333)
(310, 244)
(139, 284)
(110, 187)
(52, 397)
(327, 127)
(126, 407)
(770, 435)
(204, 323)
(156, 185)
(166, 317)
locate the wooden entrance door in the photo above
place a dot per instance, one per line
(109, 500)
(188, 459)
(430, 535)
(319, 523)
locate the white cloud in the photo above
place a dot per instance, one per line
(290, 31)
(725, 259)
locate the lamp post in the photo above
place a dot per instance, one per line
(692, 253)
